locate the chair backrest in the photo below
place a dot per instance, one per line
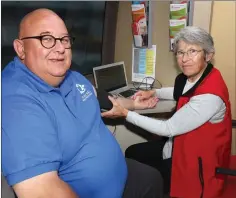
(231, 180)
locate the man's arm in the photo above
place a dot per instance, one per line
(31, 153)
(105, 103)
(127, 103)
(44, 186)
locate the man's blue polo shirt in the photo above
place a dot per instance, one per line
(46, 128)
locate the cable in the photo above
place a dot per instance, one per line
(142, 82)
(147, 86)
(159, 83)
(114, 131)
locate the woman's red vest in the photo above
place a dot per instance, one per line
(198, 153)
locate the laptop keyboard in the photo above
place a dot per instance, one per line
(128, 93)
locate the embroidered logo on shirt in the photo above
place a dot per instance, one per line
(85, 93)
(80, 88)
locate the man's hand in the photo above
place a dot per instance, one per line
(143, 94)
(146, 103)
(116, 111)
(119, 111)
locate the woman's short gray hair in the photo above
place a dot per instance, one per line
(196, 36)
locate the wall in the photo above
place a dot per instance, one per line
(223, 32)
(218, 18)
(202, 14)
(166, 69)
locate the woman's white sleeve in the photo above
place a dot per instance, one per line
(165, 93)
(196, 112)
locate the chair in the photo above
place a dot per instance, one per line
(7, 191)
(230, 189)
(228, 171)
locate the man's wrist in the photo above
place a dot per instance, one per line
(125, 112)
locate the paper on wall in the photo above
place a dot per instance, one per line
(178, 11)
(175, 26)
(143, 64)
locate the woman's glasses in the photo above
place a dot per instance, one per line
(190, 53)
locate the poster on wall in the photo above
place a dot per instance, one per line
(175, 26)
(143, 64)
(178, 18)
(140, 23)
(178, 11)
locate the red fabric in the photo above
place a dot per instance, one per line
(210, 142)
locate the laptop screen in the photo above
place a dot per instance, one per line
(110, 77)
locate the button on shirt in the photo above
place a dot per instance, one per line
(46, 128)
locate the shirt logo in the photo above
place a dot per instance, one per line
(80, 88)
(85, 94)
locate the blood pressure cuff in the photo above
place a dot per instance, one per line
(104, 102)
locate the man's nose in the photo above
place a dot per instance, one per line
(59, 46)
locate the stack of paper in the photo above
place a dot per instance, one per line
(178, 11)
(178, 19)
(143, 64)
(139, 25)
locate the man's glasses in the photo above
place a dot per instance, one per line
(49, 41)
(191, 53)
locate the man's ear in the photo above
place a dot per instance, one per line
(209, 57)
(19, 48)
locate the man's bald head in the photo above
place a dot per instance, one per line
(50, 64)
(33, 18)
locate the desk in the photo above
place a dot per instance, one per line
(128, 134)
(163, 106)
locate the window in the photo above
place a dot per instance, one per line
(84, 20)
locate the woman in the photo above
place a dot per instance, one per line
(199, 132)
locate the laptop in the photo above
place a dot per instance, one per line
(112, 78)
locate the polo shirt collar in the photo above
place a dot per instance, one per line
(66, 84)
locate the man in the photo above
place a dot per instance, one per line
(54, 143)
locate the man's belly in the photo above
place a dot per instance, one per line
(98, 169)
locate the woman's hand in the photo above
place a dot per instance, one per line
(146, 103)
(143, 94)
(116, 111)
